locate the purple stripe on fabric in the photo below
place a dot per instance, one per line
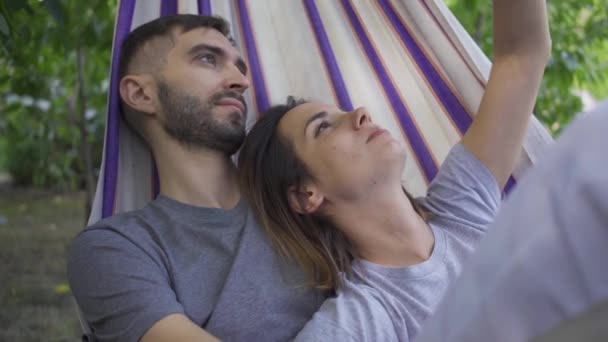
(204, 7)
(328, 56)
(446, 96)
(423, 155)
(252, 55)
(168, 7)
(155, 179)
(449, 38)
(123, 27)
(511, 183)
(443, 91)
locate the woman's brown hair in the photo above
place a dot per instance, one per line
(268, 168)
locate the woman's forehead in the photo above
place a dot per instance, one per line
(294, 121)
(303, 112)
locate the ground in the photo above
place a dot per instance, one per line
(36, 228)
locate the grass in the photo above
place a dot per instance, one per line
(36, 228)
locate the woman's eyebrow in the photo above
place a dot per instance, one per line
(319, 115)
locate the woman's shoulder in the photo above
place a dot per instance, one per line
(464, 192)
(341, 316)
(355, 292)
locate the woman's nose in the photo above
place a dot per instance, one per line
(361, 117)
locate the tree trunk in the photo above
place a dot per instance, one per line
(85, 147)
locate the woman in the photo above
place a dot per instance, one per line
(326, 185)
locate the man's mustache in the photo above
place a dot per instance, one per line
(229, 94)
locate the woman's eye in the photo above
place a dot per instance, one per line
(207, 58)
(322, 126)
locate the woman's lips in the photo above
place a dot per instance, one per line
(376, 132)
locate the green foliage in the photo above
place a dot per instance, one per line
(39, 87)
(3, 157)
(579, 60)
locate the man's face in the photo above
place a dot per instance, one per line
(200, 91)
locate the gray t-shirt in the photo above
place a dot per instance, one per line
(381, 303)
(215, 266)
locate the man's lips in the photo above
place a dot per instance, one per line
(228, 101)
(376, 132)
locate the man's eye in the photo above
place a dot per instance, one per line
(207, 58)
(322, 126)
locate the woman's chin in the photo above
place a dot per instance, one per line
(396, 154)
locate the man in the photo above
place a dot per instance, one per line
(541, 270)
(193, 264)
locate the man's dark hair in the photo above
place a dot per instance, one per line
(163, 27)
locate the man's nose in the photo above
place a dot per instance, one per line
(236, 80)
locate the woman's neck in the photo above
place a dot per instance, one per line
(385, 229)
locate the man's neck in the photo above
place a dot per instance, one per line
(197, 176)
(385, 229)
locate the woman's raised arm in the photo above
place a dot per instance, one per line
(522, 46)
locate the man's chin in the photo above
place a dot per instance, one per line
(234, 117)
(223, 110)
(237, 121)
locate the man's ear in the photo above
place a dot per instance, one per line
(306, 199)
(137, 92)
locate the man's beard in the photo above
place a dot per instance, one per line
(191, 122)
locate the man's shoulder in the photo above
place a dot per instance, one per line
(132, 228)
(135, 221)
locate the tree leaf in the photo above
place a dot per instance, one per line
(4, 29)
(56, 10)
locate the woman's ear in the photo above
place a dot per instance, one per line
(306, 199)
(136, 92)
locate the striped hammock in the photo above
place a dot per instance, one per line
(408, 61)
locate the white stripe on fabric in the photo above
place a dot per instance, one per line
(187, 6)
(448, 127)
(145, 10)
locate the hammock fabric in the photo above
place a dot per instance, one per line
(408, 61)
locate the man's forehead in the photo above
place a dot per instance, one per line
(184, 41)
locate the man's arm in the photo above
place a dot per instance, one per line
(176, 328)
(124, 292)
(521, 48)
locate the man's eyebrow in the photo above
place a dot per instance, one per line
(240, 63)
(319, 115)
(206, 47)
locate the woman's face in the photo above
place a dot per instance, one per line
(345, 152)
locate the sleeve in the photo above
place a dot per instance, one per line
(544, 262)
(352, 316)
(121, 287)
(464, 191)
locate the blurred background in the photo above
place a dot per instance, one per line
(54, 67)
